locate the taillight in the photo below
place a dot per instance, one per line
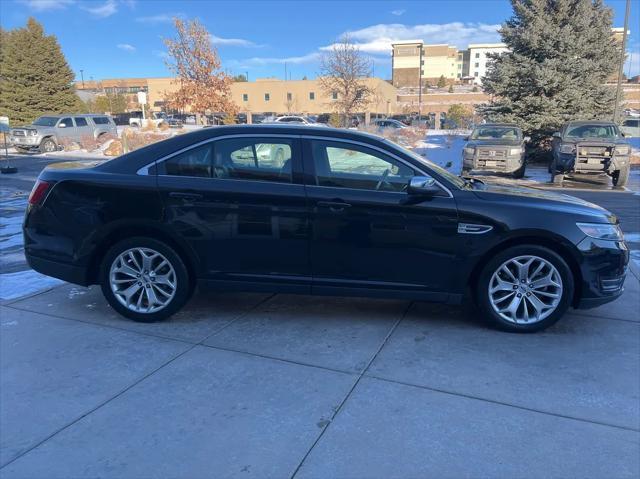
(38, 192)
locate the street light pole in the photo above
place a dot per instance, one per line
(616, 109)
(82, 78)
(420, 87)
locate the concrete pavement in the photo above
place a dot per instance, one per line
(251, 385)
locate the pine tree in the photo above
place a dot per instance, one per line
(35, 77)
(441, 82)
(561, 54)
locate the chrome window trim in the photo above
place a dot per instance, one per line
(145, 169)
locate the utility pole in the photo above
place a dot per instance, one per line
(420, 87)
(82, 78)
(285, 71)
(247, 75)
(623, 54)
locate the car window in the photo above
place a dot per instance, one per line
(592, 131)
(67, 121)
(80, 121)
(194, 162)
(46, 121)
(496, 133)
(258, 159)
(632, 123)
(100, 120)
(352, 166)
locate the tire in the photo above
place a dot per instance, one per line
(519, 173)
(514, 321)
(173, 292)
(621, 177)
(48, 145)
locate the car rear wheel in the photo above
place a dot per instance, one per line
(620, 177)
(524, 289)
(48, 145)
(144, 279)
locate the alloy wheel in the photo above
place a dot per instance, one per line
(525, 289)
(142, 280)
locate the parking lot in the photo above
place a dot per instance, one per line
(255, 385)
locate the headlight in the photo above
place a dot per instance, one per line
(469, 151)
(622, 150)
(604, 231)
(515, 151)
(567, 148)
(32, 132)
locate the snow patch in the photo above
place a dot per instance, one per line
(24, 283)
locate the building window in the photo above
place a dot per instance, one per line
(289, 97)
(245, 97)
(459, 75)
(266, 97)
(477, 55)
(459, 67)
(421, 62)
(477, 64)
(475, 74)
(334, 95)
(312, 95)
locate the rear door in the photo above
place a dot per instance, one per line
(84, 131)
(367, 232)
(240, 203)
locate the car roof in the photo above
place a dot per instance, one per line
(65, 115)
(508, 125)
(590, 122)
(133, 161)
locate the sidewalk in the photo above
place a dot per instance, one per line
(260, 386)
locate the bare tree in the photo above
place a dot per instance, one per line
(343, 71)
(202, 85)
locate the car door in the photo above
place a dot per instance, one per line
(367, 232)
(240, 203)
(66, 130)
(84, 131)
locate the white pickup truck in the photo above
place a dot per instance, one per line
(156, 118)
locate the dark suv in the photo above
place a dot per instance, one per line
(595, 147)
(303, 209)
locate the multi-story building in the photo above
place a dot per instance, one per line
(412, 60)
(479, 58)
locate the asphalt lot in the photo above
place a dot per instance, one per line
(252, 385)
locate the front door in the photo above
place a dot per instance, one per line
(367, 232)
(66, 131)
(240, 203)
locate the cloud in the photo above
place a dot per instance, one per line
(237, 42)
(398, 12)
(632, 64)
(377, 39)
(45, 5)
(161, 54)
(126, 47)
(262, 61)
(107, 9)
(160, 18)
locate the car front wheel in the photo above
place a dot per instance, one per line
(524, 289)
(621, 177)
(48, 145)
(144, 279)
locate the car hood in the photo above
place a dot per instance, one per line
(543, 199)
(494, 143)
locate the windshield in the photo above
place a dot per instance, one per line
(454, 179)
(46, 121)
(496, 133)
(592, 131)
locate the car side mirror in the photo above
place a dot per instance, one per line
(557, 134)
(423, 185)
(62, 125)
(527, 139)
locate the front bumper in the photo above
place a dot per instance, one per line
(25, 141)
(572, 163)
(603, 269)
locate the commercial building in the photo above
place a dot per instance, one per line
(479, 59)
(412, 60)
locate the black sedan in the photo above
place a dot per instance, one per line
(322, 211)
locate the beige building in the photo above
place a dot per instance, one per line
(279, 96)
(413, 60)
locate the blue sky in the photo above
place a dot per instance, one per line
(123, 38)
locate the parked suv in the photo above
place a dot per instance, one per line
(294, 209)
(49, 132)
(595, 147)
(496, 147)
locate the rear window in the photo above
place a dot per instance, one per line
(632, 123)
(101, 120)
(80, 121)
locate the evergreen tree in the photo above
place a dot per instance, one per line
(561, 54)
(35, 77)
(441, 82)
